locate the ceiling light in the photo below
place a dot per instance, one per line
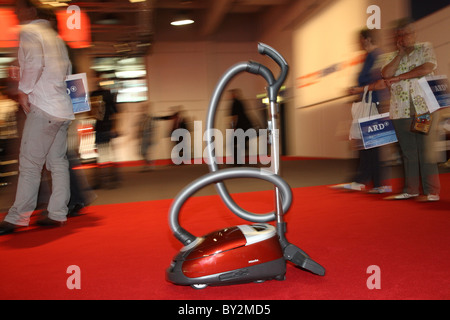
(55, 3)
(181, 20)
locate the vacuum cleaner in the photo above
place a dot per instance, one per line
(250, 252)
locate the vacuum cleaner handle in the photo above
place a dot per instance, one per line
(272, 53)
(264, 49)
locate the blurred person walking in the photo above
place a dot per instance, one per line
(44, 65)
(104, 108)
(146, 134)
(369, 170)
(9, 137)
(239, 120)
(81, 193)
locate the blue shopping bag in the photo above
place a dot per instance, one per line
(377, 131)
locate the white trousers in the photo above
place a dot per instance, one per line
(44, 141)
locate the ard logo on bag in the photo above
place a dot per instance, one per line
(377, 127)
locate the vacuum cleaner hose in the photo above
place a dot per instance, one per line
(211, 158)
(216, 176)
(213, 177)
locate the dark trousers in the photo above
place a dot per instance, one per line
(417, 164)
(369, 168)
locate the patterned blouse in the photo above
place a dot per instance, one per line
(403, 91)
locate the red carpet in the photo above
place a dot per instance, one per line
(123, 250)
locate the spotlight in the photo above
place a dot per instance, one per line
(182, 19)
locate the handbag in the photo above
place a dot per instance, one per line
(361, 109)
(421, 123)
(436, 95)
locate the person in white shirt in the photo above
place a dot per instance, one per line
(42, 94)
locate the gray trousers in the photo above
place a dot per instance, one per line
(418, 162)
(44, 141)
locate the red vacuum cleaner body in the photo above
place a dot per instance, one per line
(238, 254)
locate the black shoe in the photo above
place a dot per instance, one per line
(47, 222)
(75, 210)
(97, 186)
(6, 228)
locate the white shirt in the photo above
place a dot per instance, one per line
(44, 65)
